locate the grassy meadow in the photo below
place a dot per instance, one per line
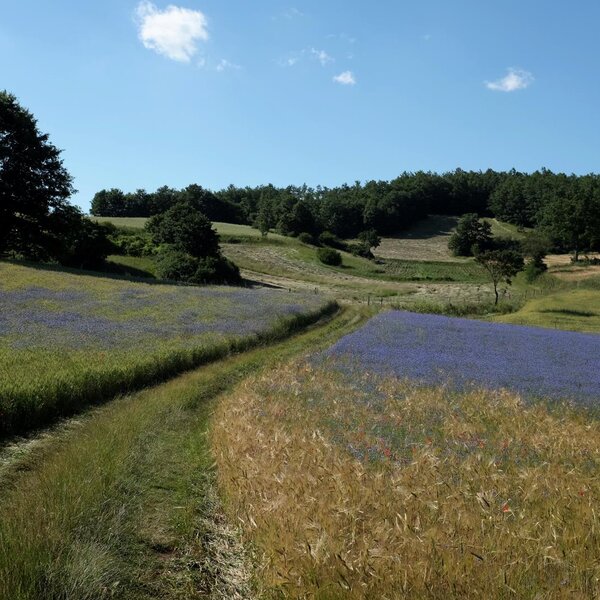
(72, 339)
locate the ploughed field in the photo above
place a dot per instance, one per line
(421, 456)
(69, 339)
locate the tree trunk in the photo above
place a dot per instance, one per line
(496, 292)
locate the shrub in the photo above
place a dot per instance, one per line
(306, 238)
(216, 270)
(331, 240)
(329, 256)
(535, 267)
(178, 266)
(471, 236)
(175, 265)
(360, 249)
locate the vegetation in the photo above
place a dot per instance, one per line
(501, 265)
(329, 256)
(91, 338)
(566, 208)
(405, 491)
(472, 235)
(75, 512)
(189, 247)
(36, 220)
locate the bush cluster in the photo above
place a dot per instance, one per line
(329, 256)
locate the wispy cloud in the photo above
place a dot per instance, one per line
(293, 13)
(225, 65)
(515, 79)
(345, 78)
(172, 32)
(294, 58)
(321, 56)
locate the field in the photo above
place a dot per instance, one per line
(357, 452)
(92, 337)
(357, 474)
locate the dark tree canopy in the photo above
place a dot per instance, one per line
(186, 229)
(471, 234)
(36, 220)
(189, 247)
(33, 181)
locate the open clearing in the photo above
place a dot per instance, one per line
(428, 240)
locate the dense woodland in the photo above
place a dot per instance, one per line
(566, 208)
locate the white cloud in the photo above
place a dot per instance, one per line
(515, 79)
(225, 65)
(172, 32)
(345, 78)
(321, 56)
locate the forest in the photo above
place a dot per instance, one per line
(565, 208)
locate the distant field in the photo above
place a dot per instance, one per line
(70, 339)
(226, 230)
(130, 222)
(427, 240)
(507, 230)
(575, 310)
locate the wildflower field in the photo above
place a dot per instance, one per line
(420, 457)
(69, 339)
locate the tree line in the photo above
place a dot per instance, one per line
(565, 207)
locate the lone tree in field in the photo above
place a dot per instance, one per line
(189, 247)
(471, 235)
(501, 265)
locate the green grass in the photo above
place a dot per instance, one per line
(572, 309)
(135, 266)
(408, 270)
(227, 231)
(72, 339)
(123, 222)
(507, 230)
(121, 503)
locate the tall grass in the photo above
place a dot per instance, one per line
(73, 340)
(375, 488)
(121, 503)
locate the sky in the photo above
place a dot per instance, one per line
(219, 92)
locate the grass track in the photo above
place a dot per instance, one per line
(120, 504)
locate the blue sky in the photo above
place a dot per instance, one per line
(143, 94)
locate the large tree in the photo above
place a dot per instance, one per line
(34, 184)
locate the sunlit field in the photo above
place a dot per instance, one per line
(357, 473)
(69, 339)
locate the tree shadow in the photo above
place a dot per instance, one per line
(431, 227)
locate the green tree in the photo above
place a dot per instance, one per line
(501, 265)
(34, 184)
(471, 235)
(265, 219)
(186, 229)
